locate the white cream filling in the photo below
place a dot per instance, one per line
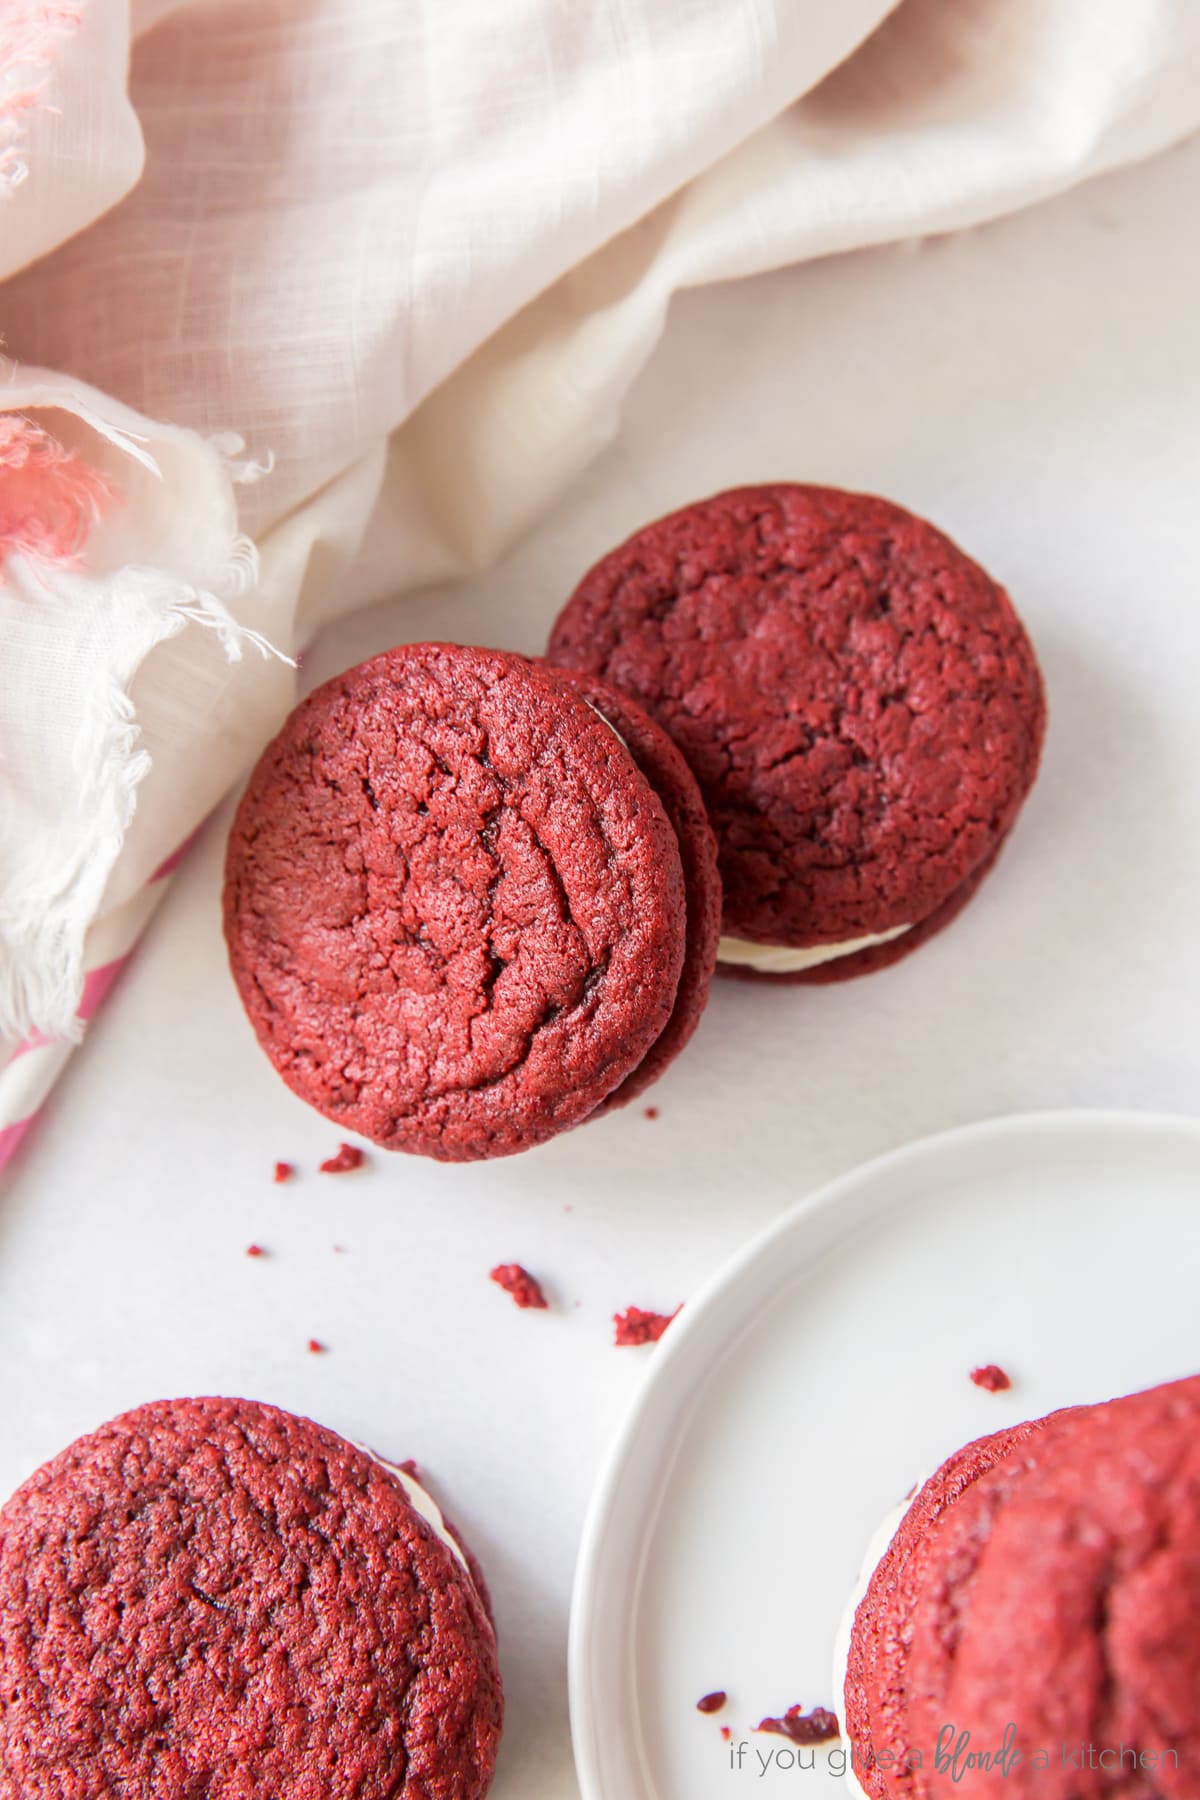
(607, 722)
(424, 1504)
(877, 1547)
(780, 959)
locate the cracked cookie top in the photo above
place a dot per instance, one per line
(215, 1598)
(454, 905)
(857, 699)
(1041, 1591)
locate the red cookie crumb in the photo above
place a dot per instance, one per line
(349, 1156)
(652, 1112)
(816, 1727)
(637, 1327)
(410, 1467)
(255, 1250)
(284, 1171)
(991, 1377)
(713, 1702)
(317, 1347)
(524, 1288)
(726, 1733)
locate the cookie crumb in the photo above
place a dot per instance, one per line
(713, 1702)
(817, 1727)
(634, 1326)
(410, 1467)
(726, 1733)
(339, 1249)
(284, 1171)
(316, 1347)
(525, 1289)
(652, 1112)
(255, 1250)
(349, 1156)
(992, 1377)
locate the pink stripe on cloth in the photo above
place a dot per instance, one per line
(176, 857)
(10, 1137)
(96, 984)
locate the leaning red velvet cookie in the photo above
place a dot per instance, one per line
(454, 905)
(212, 1597)
(664, 768)
(1042, 1590)
(857, 698)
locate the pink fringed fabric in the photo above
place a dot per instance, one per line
(30, 34)
(118, 533)
(49, 497)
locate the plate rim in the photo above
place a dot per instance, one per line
(1050, 1121)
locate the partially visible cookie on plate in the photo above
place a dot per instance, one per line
(1038, 1596)
(216, 1598)
(857, 698)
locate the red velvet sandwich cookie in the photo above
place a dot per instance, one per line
(214, 1598)
(455, 906)
(1040, 1598)
(664, 768)
(856, 697)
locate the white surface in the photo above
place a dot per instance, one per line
(1034, 387)
(823, 1374)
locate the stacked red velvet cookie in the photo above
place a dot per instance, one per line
(214, 1598)
(470, 901)
(1039, 1605)
(856, 697)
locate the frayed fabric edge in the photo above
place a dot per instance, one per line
(41, 969)
(42, 941)
(30, 32)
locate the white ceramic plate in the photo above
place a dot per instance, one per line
(817, 1376)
